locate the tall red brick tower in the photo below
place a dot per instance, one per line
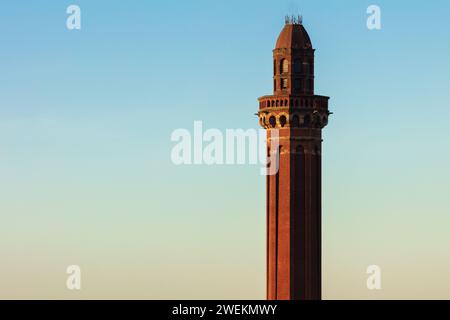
(294, 192)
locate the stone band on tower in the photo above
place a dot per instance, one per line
(294, 192)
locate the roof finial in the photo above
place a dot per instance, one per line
(293, 19)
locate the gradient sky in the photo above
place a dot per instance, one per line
(85, 124)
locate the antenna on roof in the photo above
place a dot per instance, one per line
(293, 19)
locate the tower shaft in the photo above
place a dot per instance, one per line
(294, 220)
(294, 118)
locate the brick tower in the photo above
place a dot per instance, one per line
(294, 192)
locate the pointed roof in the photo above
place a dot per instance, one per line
(293, 36)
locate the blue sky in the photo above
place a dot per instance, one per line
(86, 118)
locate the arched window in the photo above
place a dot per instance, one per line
(307, 120)
(297, 66)
(317, 122)
(274, 67)
(297, 84)
(284, 66)
(272, 121)
(284, 83)
(305, 67)
(282, 121)
(295, 121)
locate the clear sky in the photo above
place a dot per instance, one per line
(85, 123)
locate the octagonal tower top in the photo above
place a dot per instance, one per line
(293, 35)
